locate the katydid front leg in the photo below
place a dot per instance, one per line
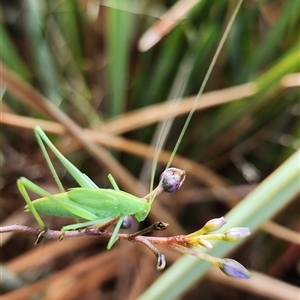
(21, 185)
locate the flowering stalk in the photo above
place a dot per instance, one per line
(170, 181)
(189, 244)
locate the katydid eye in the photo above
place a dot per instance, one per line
(172, 179)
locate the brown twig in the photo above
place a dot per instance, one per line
(87, 232)
(187, 244)
(56, 234)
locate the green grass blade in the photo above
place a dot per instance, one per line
(119, 28)
(41, 53)
(67, 15)
(270, 44)
(10, 56)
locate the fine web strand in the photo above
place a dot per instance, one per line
(164, 127)
(212, 64)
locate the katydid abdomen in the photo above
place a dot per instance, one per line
(48, 207)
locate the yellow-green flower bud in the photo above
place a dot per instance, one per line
(214, 224)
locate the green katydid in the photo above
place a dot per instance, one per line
(100, 207)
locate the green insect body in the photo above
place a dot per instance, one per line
(88, 202)
(101, 203)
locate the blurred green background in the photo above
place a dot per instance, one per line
(82, 56)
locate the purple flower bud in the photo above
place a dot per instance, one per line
(127, 222)
(236, 233)
(172, 179)
(234, 269)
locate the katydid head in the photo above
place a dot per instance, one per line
(143, 212)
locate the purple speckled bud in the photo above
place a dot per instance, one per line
(127, 222)
(172, 179)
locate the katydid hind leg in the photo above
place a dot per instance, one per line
(82, 179)
(48, 160)
(70, 206)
